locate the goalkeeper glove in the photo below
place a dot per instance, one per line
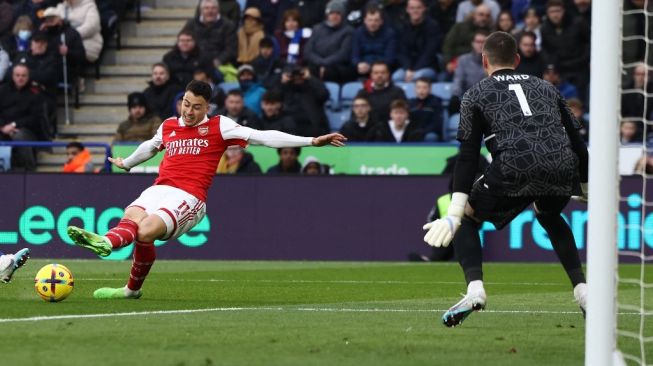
(441, 231)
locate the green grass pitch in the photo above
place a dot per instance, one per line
(303, 313)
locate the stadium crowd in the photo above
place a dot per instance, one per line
(388, 71)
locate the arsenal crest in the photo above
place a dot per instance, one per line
(203, 130)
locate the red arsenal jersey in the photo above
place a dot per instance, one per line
(192, 153)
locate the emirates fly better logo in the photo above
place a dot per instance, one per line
(186, 146)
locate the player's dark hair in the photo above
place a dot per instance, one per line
(75, 144)
(200, 89)
(234, 92)
(500, 49)
(272, 96)
(423, 80)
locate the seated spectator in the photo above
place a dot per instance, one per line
(459, 39)
(303, 98)
(33, 9)
(532, 23)
(250, 87)
(73, 48)
(505, 22)
(373, 42)
(19, 40)
(360, 123)
(469, 70)
(215, 35)
(270, 11)
(179, 99)
(161, 92)
(6, 18)
(206, 73)
(398, 129)
(426, 109)
(5, 63)
(184, 58)
(630, 132)
(288, 162)
(21, 115)
(531, 61)
(576, 107)
(419, 41)
(250, 35)
(230, 9)
(313, 166)
(444, 13)
(292, 38)
(582, 9)
(466, 8)
(634, 103)
(328, 51)
(238, 161)
(234, 108)
(45, 66)
(84, 17)
(380, 92)
(141, 124)
(78, 159)
(273, 117)
(267, 66)
(567, 90)
(310, 12)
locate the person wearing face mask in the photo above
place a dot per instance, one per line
(251, 89)
(303, 98)
(18, 40)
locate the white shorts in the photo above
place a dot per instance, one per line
(178, 209)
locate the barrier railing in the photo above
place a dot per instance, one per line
(107, 147)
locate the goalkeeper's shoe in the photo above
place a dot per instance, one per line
(9, 263)
(580, 295)
(472, 301)
(86, 239)
(116, 293)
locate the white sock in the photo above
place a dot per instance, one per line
(129, 292)
(475, 286)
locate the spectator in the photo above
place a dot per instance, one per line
(237, 161)
(234, 108)
(466, 8)
(206, 74)
(250, 35)
(19, 40)
(398, 129)
(630, 132)
(230, 9)
(531, 61)
(32, 9)
(576, 107)
(6, 18)
(566, 43)
(505, 22)
(312, 166)
(267, 66)
(551, 74)
(360, 123)
(582, 9)
(273, 117)
(303, 98)
(251, 88)
(21, 115)
(380, 92)
(178, 100)
(372, 42)
(215, 35)
(184, 58)
(470, 66)
(141, 124)
(160, 94)
(45, 66)
(5, 63)
(73, 48)
(292, 37)
(288, 162)
(426, 108)
(634, 102)
(328, 51)
(444, 13)
(532, 24)
(78, 159)
(419, 41)
(459, 40)
(634, 25)
(84, 17)
(310, 12)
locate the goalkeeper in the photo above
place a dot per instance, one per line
(538, 156)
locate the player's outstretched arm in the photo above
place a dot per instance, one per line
(277, 139)
(119, 162)
(333, 139)
(143, 152)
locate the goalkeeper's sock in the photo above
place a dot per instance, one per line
(144, 257)
(468, 251)
(123, 234)
(564, 245)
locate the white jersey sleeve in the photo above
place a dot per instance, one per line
(231, 130)
(145, 150)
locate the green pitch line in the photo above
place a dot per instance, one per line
(304, 313)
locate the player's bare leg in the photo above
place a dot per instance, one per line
(121, 235)
(150, 229)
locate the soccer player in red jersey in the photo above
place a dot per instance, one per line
(194, 144)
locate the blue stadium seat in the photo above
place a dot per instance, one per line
(334, 95)
(451, 127)
(348, 92)
(226, 87)
(5, 158)
(442, 90)
(408, 88)
(338, 118)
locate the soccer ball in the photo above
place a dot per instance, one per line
(53, 282)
